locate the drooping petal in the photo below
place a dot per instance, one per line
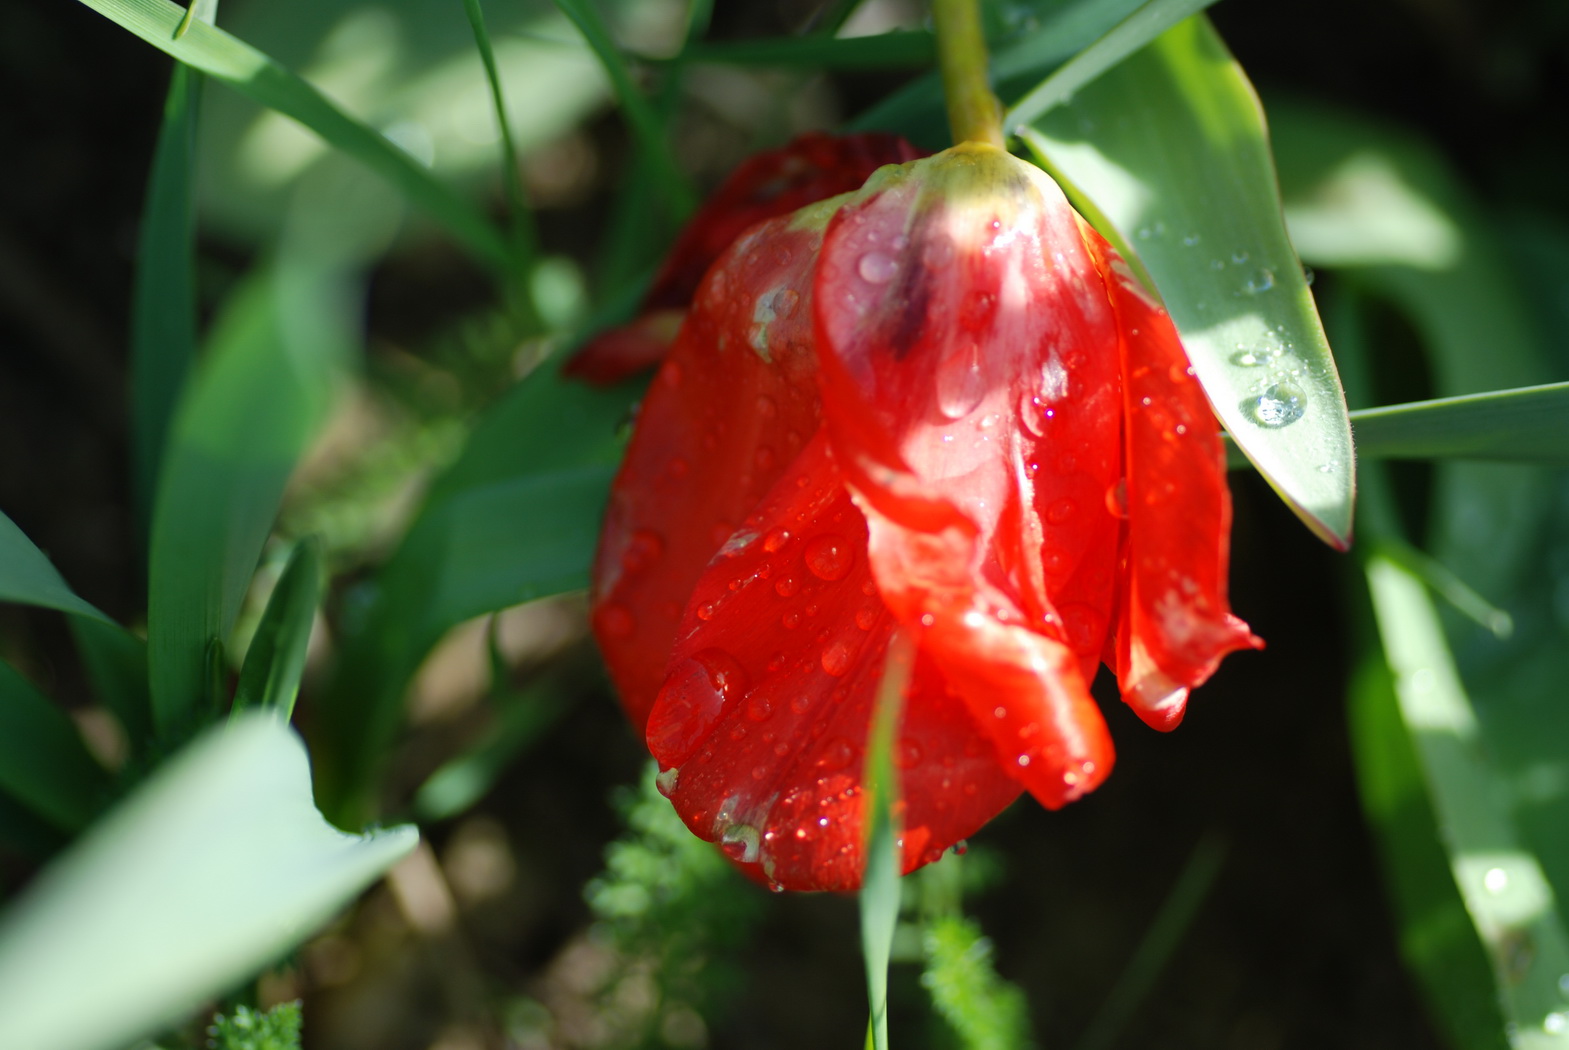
(761, 724)
(956, 304)
(731, 407)
(810, 168)
(1175, 624)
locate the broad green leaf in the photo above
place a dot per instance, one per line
(880, 885)
(259, 78)
(259, 396)
(215, 866)
(516, 518)
(1500, 878)
(1437, 939)
(116, 664)
(163, 302)
(1170, 149)
(43, 763)
(27, 576)
(1382, 207)
(1132, 33)
(275, 662)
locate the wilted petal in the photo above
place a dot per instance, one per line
(1176, 624)
(762, 721)
(951, 294)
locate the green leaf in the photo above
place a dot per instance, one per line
(43, 762)
(1437, 939)
(516, 518)
(897, 49)
(257, 400)
(523, 233)
(27, 576)
(645, 124)
(880, 886)
(247, 1029)
(275, 662)
(213, 868)
(116, 665)
(1132, 33)
(1499, 876)
(264, 81)
(1524, 425)
(1169, 148)
(985, 1011)
(163, 301)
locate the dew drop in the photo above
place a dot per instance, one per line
(643, 549)
(960, 383)
(1117, 499)
(665, 780)
(775, 539)
(836, 755)
(877, 268)
(690, 702)
(1281, 404)
(837, 658)
(829, 556)
(1189, 240)
(787, 585)
(741, 842)
(909, 755)
(866, 617)
(1024, 760)
(705, 612)
(759, 707)
(785, 302)
(790, 621)
(1496, 880)
(1262, 281)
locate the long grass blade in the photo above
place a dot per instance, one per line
(522, 218)
(880, 885)
(43, 763)
(258, 77)
(274, 664)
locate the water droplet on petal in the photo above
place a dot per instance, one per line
(837, 658)
(1281, 404)
(775, 539)
(705, 612)
(866, 617)
(877, 268)
(786, 586)
(643, 549)
(741, 842)
(690, 702)
(829, 556)
(666, 781)
(785, 302)
(1117, 499)
(960, 383)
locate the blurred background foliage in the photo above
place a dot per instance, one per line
(1269, 877)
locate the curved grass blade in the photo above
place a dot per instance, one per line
(1170, 148)
(214, 867)
(523, 233)
(1524, 425)
(880, 885)
(258, 398)
(1132, 33)
(646, 126)
(43, 763)
(264, 81)
(163, 301)
(28, 577)
(275, 662)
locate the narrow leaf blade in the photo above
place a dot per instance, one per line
(275, 662)
(43, 762)
(27, 576)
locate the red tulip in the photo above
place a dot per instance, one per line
(810, 168)
(942, 404)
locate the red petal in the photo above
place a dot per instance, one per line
(1175, 623)
(761, 724)
(808, 169)
(951, 294)
(733, 404)
(618, 354)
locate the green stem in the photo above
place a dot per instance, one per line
(973, 112)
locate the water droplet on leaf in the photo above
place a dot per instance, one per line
(1281, 404)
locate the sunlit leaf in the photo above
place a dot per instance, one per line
(255, 75)
(1169, 149)
(213, 868)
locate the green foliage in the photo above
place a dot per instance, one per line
(247, 1029)
(669, 905)
(984, 1011)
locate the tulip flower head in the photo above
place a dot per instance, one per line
(939, 404)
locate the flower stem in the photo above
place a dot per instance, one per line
(973, 112)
